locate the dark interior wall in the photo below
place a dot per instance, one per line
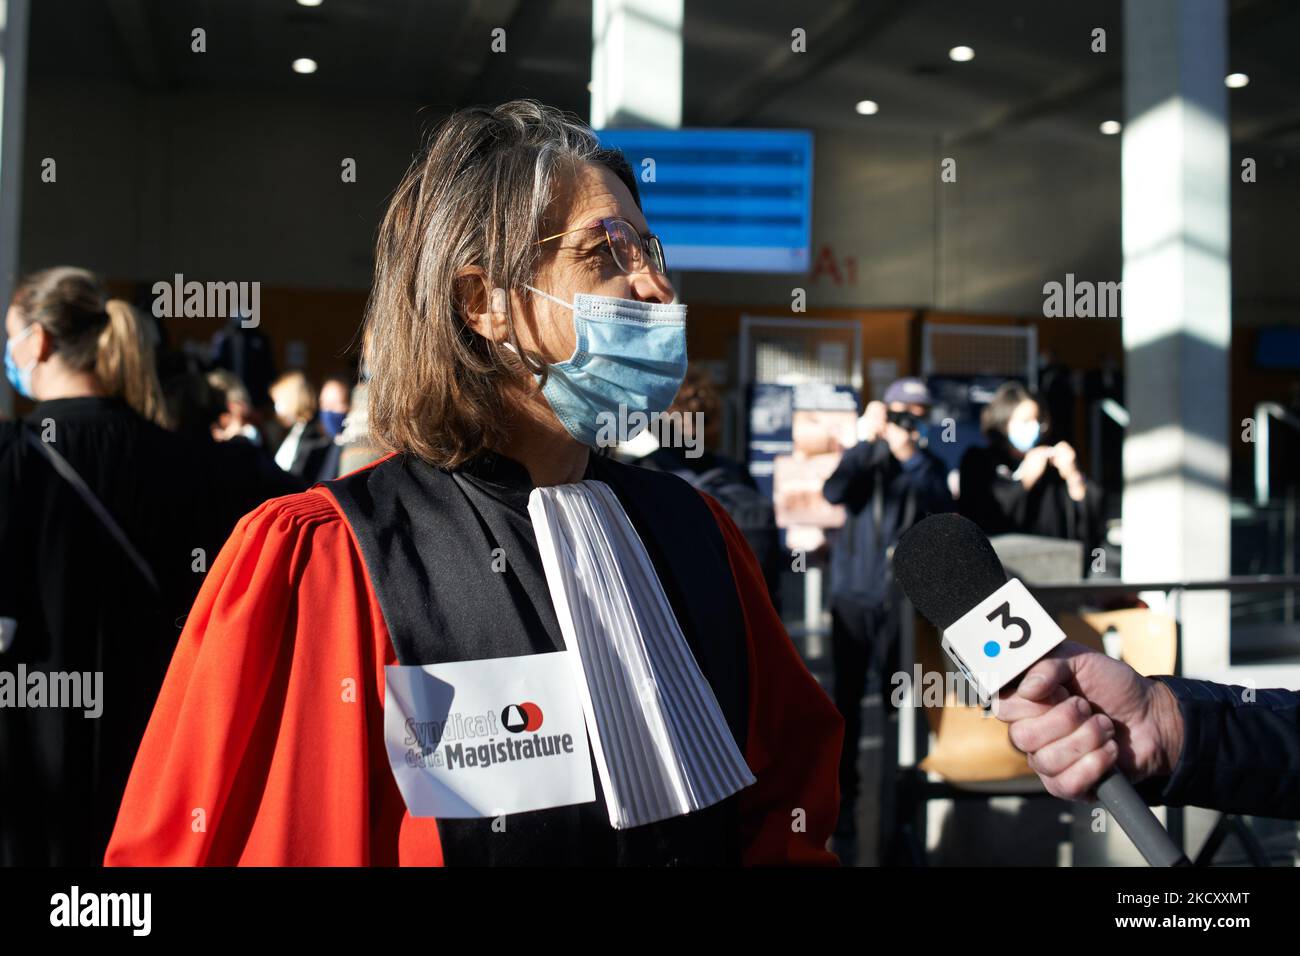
(215, 186)
(238, 187)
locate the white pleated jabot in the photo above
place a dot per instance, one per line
(662, 744)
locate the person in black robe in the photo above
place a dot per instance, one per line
(1021, 483)
(73, 600)
(687, 438)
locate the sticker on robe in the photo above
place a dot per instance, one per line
(482, 738)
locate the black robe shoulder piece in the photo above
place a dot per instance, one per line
(433, 542)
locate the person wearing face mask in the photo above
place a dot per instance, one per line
(1022, 483)
(496, 556)
(886, 482)
(335, 402)
(107, 521)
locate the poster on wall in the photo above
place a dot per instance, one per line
(959, 399)
(797, 435)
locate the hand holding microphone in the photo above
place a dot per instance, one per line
(1078, 714)
(995, 631)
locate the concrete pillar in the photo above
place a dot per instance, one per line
(636, 63)
(1177, 309)
(13, 93)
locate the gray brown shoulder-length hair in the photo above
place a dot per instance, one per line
(478, 194)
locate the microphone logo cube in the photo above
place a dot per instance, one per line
(997, 640)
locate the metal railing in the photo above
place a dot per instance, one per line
(910, 739)
(1106, 587)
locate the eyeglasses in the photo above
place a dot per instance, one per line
(632, 251)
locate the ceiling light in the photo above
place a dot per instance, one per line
(304, 65)
(961, 54)
(309, 3)
(1111, 127)
(1235, 81)
(867, 107)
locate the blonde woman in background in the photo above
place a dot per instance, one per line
(295, 408)
(107, 522)
(236, 418)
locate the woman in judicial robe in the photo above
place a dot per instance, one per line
(267, 744)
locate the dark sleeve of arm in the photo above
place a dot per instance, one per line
(853, 479)
(1091, 513)
(994, 502)
(1241, 751)
(14, 523)
(11, 546)
(250, 477)
(927, 476)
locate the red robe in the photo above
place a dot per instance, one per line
(266, 745)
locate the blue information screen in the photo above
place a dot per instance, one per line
(1277, 347)
(724, 200)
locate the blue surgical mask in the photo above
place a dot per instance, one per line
(630, 357)
(332, 422)
(19, 378)
(1023, 435)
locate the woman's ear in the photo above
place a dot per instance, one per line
(39, 345)
(482, 305)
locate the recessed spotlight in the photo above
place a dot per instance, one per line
(309, 3)
(1235, 81)
(867, 107)
(961, 54)
(304, 65)
(1110, 127)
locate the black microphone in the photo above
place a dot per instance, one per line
(994, 630)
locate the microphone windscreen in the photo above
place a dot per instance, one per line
(945, 565)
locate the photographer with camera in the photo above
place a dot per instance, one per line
(887, 481)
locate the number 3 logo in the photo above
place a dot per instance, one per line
(1009, 620)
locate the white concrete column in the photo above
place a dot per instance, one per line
(1177, 309)
(636, 63)
(13, 93)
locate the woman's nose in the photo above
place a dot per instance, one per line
(651, 286)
